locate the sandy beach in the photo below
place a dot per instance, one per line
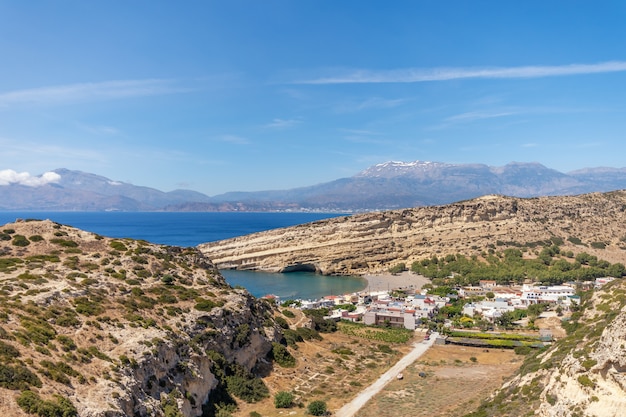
(387, 281)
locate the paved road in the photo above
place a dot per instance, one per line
(350, 409)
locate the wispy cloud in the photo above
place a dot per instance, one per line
(376, 103)
(381, 103)
(107, 90)
(359, 131)
(99, 129)
(416, 75)
(234, 139)
(477, 115)
(282, 123)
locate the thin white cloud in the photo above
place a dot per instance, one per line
(237, 140)
(100, 129)
(381, 103)
(8, 177)
(359, 131)
(376, 103)
(107, 90)
(477, 115)
(282, 123)
(415, 75)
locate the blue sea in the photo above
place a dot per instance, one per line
(191, 229)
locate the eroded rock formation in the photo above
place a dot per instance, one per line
(372, 242)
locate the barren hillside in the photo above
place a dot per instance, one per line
(372, 242)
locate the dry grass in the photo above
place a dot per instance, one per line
(452, 384)
(324, 375)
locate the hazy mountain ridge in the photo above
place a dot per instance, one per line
(383, 186)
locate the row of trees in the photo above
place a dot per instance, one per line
(549, 266)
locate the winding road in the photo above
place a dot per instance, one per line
(350, 409)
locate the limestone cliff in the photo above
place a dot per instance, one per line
(583, 374)
(118, 327)
(372, 242)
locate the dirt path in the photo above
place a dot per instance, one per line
(364, 396)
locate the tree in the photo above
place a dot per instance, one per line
(283, 399)
(396, 269)
(317, 408)
(490, 295)
(536, 309)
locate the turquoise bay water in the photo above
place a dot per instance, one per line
(191, 229)
(297, 285)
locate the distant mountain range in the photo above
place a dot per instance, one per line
(389, 185)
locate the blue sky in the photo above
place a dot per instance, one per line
(220, 96)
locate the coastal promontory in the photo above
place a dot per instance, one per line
(373, 242)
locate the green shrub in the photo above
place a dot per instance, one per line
(282, 322)
(398, 268)
(585, 381)
(283, 399)
(66, 243)
(36, 238)
(8, 352)
(281, 355)
(119, 246)
(308, 334)
(292, 338)
(242, 334)
(19, 240)
(288, 313)
(317, 408)
(17, 377)
(247, 387)
(575, 240)
(66, 342)
(33, 404)
(203, 304)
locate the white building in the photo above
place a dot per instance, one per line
(545, 294)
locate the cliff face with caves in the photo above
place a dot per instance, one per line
(373, 242)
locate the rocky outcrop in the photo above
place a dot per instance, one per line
(120, 327)
(372, 242)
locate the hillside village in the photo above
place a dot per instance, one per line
(413, 308)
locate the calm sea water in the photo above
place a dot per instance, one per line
(191, 229)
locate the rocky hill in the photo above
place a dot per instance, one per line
(582, 374)
(373, 242)
(94, 326)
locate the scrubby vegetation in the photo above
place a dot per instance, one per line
(381, 334)
(548, 265)
(69, 298)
